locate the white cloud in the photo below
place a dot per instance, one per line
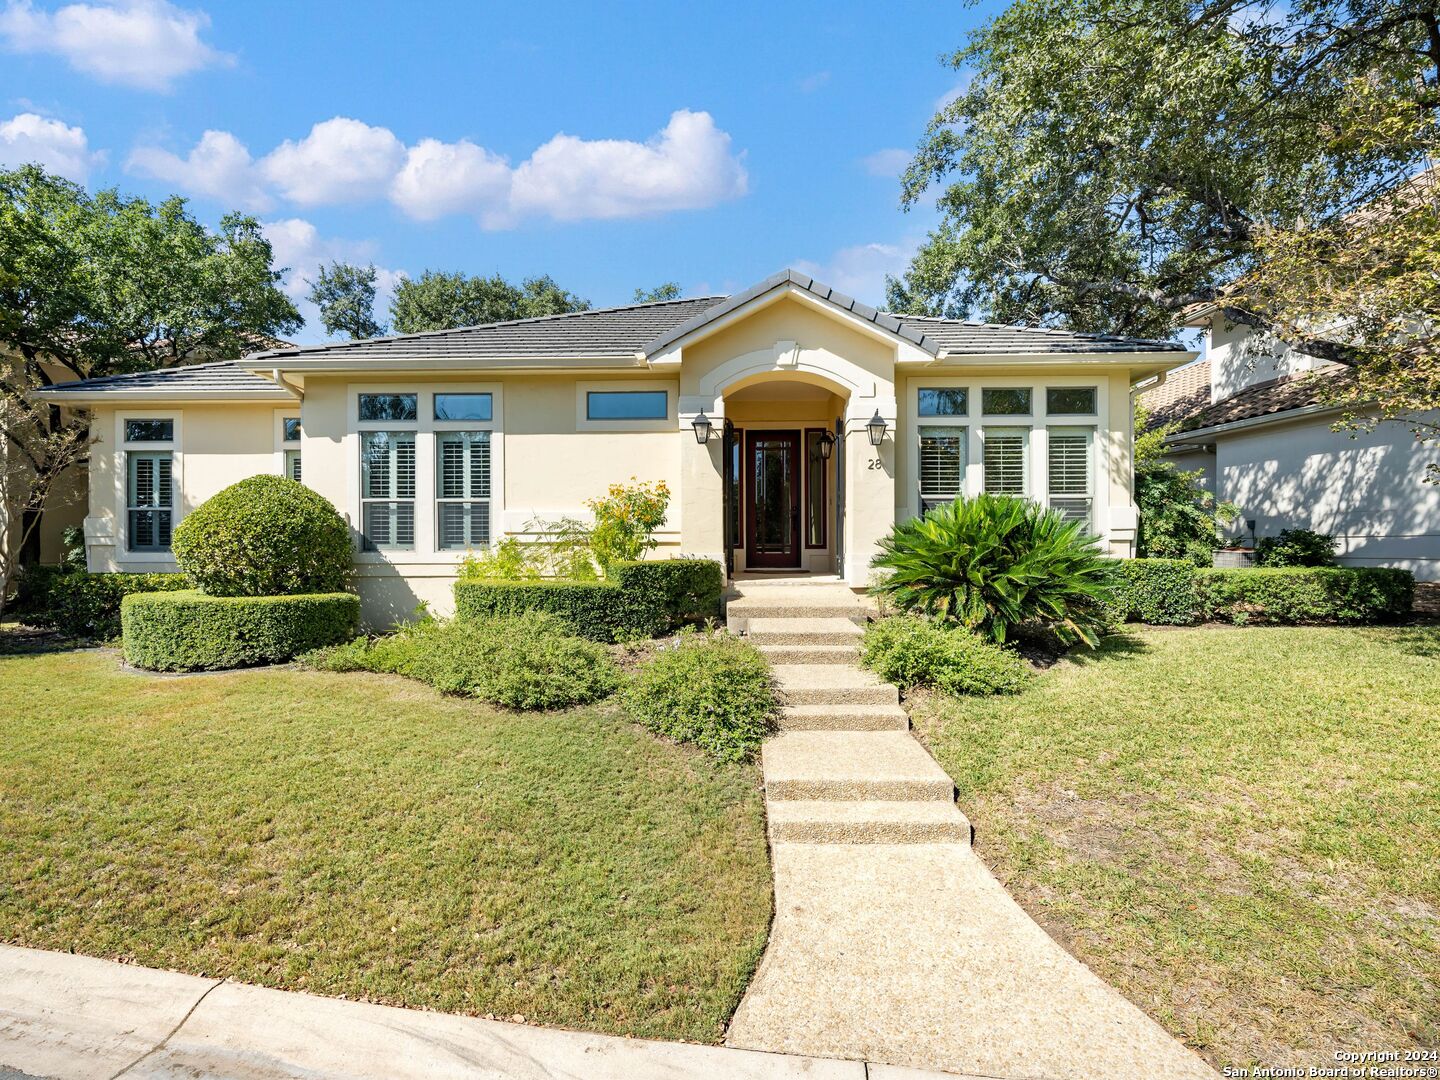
(57, 146)
(888, 164)
(859, 271)
(686, 166)
(298, 247)
(219, 166)
(141, 43)
(441, 178)
(341, 160)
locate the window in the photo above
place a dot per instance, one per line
(736, 481)
(942, 465)
(149, 498)
(946, 401)
(149, 430)
(292, 429)
(388, 407)
(387, 487)
(1004, 462)
(1069, 473)
(1070, 400)
(1005, 401)
(462, 488)
(463, 407)
(814, 490)
(292, 465)
(627, 405)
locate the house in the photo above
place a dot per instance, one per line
(793, 425)
(1252, 418)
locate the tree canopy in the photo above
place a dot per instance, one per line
(1111, 162)
(345, 295)
(441, 301)
(670, 290)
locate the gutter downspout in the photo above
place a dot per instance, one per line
(287, 384)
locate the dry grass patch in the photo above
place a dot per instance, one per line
(1240, 830)
(361, 835)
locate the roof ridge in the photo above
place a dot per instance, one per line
(486, 326)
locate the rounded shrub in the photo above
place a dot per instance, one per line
(997, 564)
(265, 536)
(191, 631)
(911, 651)
(709, 689)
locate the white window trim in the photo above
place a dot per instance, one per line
(672, 405)
(426, 549)
(281, 415)
(122, 480)
(1106, 443)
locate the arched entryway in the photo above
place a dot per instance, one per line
(783, 510)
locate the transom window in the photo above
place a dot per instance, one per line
(464, 407)
(942, 465)
(462, 489)
(944, 401)
(1004, 462)
(383, 407)
(387, 487)
(1070, 400)
(1005, 400)
(149, 499)
(627, 404)
(149, 430)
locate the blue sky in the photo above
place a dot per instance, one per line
(608, 145)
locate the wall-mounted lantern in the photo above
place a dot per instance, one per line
(876, 429)
(827, 445)
(702, 427)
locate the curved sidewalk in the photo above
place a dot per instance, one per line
(77, 1018)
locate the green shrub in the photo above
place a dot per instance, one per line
(997, 564)
(192, 631)
(911, 651)
(1158, 591)
(709, 689)
(638, 600)
(688, 590)
(85, 605)
(1296, 547)
(265, 536)
(626, 518)
(528, 661)
(1326, 594)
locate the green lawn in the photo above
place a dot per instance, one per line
(1239, 829)
(361, 835)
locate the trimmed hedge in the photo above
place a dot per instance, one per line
(640, 600)
(84, 605)
(190, 631)
(1296, 595)
(915, 651)
(1158, 591)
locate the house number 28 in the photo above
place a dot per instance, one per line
(875, 463)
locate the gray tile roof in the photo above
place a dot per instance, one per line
(225, 378)
(957, 338)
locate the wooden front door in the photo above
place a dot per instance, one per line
(772, 498)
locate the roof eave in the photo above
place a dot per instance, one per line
(1281, 416)
(160, 397)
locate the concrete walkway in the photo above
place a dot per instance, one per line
(892, 941)
(77, 1018)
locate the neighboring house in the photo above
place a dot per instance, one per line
(1251, 417)
(793, 425)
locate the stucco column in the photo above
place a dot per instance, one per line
(702, 488)
(869, 486)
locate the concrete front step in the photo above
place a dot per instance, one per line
(811, 654)
(832, 684)
(836, 631)
(852, 765)
(749, 610)
(843, 718)
(807, 821)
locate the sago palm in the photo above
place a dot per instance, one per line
(994, 563)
